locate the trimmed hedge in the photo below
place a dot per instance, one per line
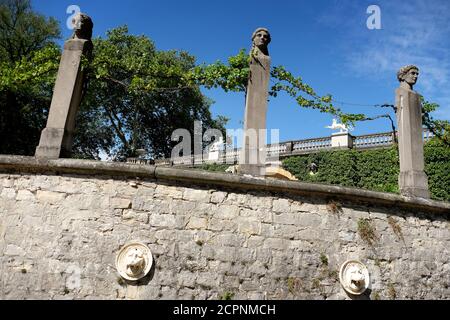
(437, 167)
(373, 169)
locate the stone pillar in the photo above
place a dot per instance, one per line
(342, 140)
(253, 152)
(413, 181)
(57, 137)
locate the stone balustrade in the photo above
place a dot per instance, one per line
(291, 148)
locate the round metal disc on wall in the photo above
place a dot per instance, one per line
(134, 261)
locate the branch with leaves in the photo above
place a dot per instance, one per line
(440, 128)
(39, 67)
(306, 96)
(387, 116)
(231, 77)
(234, 77)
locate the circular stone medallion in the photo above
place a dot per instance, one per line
(134, 261)
(354, 277)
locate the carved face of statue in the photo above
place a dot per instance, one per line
(261, 38)
(412, 76)
(82, 27)
(135, 262)
(77, 25)
(408, 76)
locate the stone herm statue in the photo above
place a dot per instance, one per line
(413, 181)
(253, 154)
(57, 137)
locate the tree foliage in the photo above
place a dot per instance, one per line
(23, 31)
(136, 94)
(140, 95)
(28, 65)
(231, 77)
(440, 128)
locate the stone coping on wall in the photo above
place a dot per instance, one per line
(22, 164)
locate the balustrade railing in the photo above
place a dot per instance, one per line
(311, 145)
(374, 140)
(284, 149)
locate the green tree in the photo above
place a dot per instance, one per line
(137, 95)
(23, 31)
(28, 64)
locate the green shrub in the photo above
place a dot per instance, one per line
(378, 170)
(214, 167)
(373, 169)
(337, 167)
(437, 168)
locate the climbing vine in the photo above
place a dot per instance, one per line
(234, 77)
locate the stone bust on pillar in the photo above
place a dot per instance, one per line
(413, 181)
(253, 154)
(82, 32)
(57, 137)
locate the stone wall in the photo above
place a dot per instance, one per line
(212, 236)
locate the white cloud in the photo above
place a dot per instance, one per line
(413, 32)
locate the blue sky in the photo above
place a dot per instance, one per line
(324, 41)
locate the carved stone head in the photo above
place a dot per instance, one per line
(135, 262)
(261, 39)
(357, 279)
(83, 26)
(408, 76)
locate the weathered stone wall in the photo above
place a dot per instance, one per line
(59, 235)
